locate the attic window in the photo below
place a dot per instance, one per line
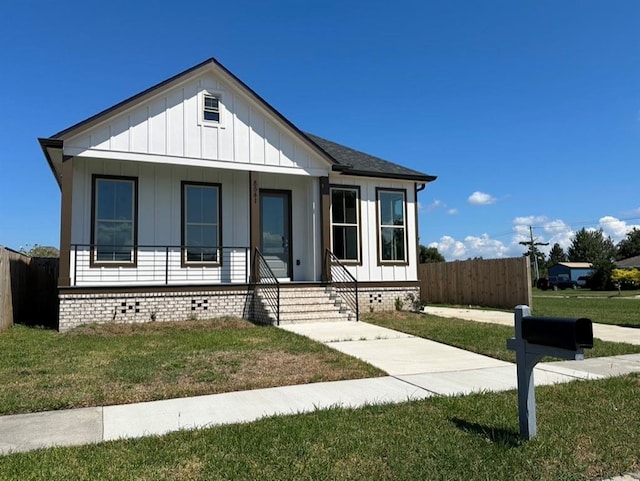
(211, 108)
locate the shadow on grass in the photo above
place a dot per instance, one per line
(503, 437)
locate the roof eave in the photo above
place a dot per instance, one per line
(346, 170)
(46, 145)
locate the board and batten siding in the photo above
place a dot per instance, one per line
(159, 222)
(169, 128)
(370, 270)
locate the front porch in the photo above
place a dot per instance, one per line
(159, 287)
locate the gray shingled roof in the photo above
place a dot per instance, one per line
(355, 162)
(629, 262)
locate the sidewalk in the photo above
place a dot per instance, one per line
(606, 332)
(418, 368)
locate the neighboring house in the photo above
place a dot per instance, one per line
(629, 263)
(571, 270)
(196, 198)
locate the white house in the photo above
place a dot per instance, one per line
(196, 198)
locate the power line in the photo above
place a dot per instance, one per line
(534, 252)
(568, 224)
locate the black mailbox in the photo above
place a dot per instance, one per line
(565, 333)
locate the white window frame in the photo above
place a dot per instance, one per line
(222, 112)
(358, 259)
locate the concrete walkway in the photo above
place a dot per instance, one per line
(418, 369)
(606, 332)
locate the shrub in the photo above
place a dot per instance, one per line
(628, 278)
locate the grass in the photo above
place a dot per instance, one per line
(118, 363)
(487, 339)
(616, 310)
(584, 293)
(586, 430)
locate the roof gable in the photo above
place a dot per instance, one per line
(164, 120)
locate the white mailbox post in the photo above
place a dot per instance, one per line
(535, 338)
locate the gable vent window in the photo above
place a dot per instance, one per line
(211, 108)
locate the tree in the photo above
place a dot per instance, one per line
(630, 246)
(628, 278)
(557, 255)
(37, 250)
(593, 247)
(430, 254)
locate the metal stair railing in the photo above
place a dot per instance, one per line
(267, 283)
(343, 283)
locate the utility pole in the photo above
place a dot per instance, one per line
(532, 245)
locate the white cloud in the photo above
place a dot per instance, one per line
(436, 204)
(615, 228)
(486, 247)
(450, 248)
(452, 211)
(480, 198)
(546, 230)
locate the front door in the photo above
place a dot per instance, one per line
(275, 229)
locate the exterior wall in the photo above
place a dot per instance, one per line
(159, 224)
(572, 272)
(376, 299)
(159, 199)
(135, 307)
(369, 269)
(576, 273)
(169, 128)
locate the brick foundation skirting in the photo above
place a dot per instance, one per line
(78, 309)
(137, 307)
(374, 299)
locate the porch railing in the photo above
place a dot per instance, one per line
(267, 284)
(158, 265)
(343, 283)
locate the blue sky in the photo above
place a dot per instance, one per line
(528, 111)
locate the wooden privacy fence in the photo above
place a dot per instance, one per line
(499, 283)
(28, 290)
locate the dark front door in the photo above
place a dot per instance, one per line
(275, 231)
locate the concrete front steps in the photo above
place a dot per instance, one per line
(309, 304)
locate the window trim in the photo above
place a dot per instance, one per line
(183, 247)
(93, 262)
(204, 93)
(356, 188)
(379, 226)
(205, 109)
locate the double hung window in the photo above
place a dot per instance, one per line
(211, 108)
(345, 220)
(392, 226)
(201, 223)
(113, 233)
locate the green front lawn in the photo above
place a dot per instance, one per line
(622, 311)
(586, 430)
(118, 363)
(487, 339)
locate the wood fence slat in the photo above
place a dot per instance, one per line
(499, 283)
(28, 289)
